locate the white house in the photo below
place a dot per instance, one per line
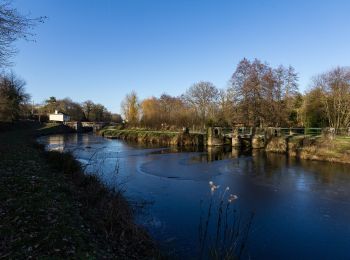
(59, 117)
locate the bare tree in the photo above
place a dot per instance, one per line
(203, 97)
(248, 86)
(312, 111)
(151, 112)
(131, 108)
(13, 26)
(12, 97)
(335, 96)
(167, 112)
(100, 113)
(262, 95)
(87, 108)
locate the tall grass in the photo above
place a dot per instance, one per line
(105, 210)
(223, 232)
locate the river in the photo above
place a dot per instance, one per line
(301, 208)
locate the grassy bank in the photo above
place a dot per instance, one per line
(50, 208)
(324, 149)
(312, 148)
(154, 137)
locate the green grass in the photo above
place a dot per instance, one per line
(50, 209)
(324, 149)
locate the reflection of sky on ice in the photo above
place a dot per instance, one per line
(300, 203)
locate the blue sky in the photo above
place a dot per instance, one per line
(103, 49)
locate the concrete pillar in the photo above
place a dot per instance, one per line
(236, 139)
(214, 136)
(78, 127)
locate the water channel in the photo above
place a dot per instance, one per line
(302, 208)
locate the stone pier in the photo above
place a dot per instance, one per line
(236, 138)
(252, 137)
(215, 136)
(258, 138)
(76, 125)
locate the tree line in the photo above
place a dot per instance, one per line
(85, 111)
(15, 104)
(257, 95)
(14, 101)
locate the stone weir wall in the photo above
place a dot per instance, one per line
(155, 137)
(302, 146)
(319, 148)
(277, 144)
(82, 127)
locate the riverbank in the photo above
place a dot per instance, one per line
(50, 208)
(165, 138)
(303, 147)
(312, 148)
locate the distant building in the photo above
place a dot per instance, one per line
(59, 117)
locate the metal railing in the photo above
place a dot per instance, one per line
(284, 131)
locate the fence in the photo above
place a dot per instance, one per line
(310, 131)
(301, 131)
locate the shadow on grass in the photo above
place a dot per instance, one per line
(50, 208)
(107, 212)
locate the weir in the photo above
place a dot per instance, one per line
(252, 137)
(94, 126)
(75, 125)
(237, 137)
(80, 127)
